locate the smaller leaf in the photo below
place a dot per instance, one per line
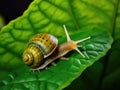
(89, 79)
(112, 77)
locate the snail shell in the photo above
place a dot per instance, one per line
(39, 48)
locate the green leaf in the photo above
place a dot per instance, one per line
(49, 16)
(57, 77)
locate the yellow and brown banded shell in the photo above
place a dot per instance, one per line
(33, 57)
(46, 42)
(39, 47)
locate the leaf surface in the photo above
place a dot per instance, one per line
(49, 16)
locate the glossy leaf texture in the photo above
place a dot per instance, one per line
(57, 77)
(49, 16)
(94, 74)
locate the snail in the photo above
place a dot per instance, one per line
(43, 49)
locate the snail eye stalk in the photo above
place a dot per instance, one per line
(76, 42)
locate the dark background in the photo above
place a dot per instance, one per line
(11, 9)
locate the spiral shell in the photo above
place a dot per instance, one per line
(39, 47)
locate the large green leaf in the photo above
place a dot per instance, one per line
(49, 16)
(57, 77)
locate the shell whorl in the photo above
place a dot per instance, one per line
(33, 57)
(39, 47)
(47, 43)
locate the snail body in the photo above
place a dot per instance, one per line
(43, 49)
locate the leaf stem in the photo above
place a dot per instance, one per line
(114, 18)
